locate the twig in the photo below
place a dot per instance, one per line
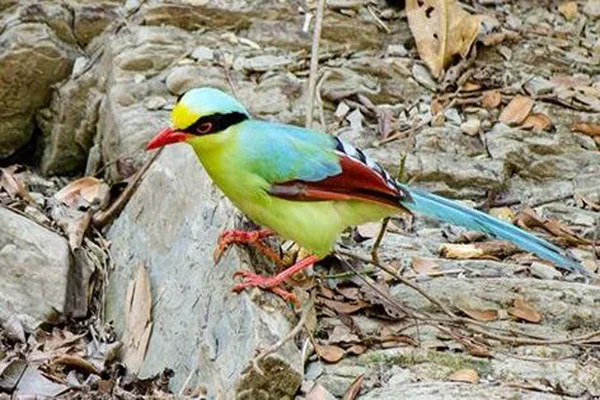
(314, 63)
(287, 338)
(375, 248)
(402, 279)
(102, 218)
(378, 20)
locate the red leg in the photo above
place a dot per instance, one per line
(272, 283)
(253, 238)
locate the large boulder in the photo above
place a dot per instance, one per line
(200, 329)
(34, 270)
(32, 59)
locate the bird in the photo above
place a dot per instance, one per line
(309, 186)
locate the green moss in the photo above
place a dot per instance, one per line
(453, 361)
(582, 321)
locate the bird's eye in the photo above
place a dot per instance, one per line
(204, 128)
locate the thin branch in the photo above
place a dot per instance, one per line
(314, 63)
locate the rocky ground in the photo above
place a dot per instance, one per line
(107, 284)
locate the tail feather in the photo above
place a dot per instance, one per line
(446, 210)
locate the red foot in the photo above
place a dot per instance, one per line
(253, 238)
(271, 283)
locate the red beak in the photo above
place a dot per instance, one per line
(165, 137)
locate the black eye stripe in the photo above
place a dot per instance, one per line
(219, 122)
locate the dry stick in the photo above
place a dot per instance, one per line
(284, 340)
(400, 278)
(314, 63)
(102, 218)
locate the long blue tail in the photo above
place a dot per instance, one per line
(446, 210)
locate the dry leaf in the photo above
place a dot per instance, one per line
(492, 249)
(330, 353)
(503, 213)
(479, 315)
(491, 99)
(13, 185)
(587, 128)
(517, 110)
(476, 349)
(537, 122)
(138, 323)
(344, 307)
(464, 375)
(524, 311)
(470, 86)
(351, 293)
(90, 189)
(354, 388)
(318, 392)
(568, 10)
(424, 265)
(77, 363)
(369, 230)
(527, 218)
(356, 349)
(442, 29)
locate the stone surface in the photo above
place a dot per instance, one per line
(34, 270)
(32, 59)
(201, 329)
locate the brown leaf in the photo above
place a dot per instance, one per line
(354, 388)
(491, 99)
(351, 293)
(424, 265)
(527, 218)
(517, 110)
(568, 10)
(442, 30)
(344, 307)
(537, 122)
(13, 185)
(77, 363)
(524, 311)
(138, 323)
(492, 249)
(477, 349)
(479, 315)
(464, 375)
(318, 392)
(330, 353)
(356, 349)
(587, 128)
(88, 188)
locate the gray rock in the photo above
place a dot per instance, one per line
(537, 86)
(471, 127)
(592, 9)
(32, 59)
(202, 53)
(201, 329)
(34, 270)
(69, 124)
(422, 75)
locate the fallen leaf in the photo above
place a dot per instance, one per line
(503, 213)
(138, 323)
(344, 307)
(77, 363)
(13, 185)
(477, 349)
(464, 375)
(354, 388)
(492, 249)
(369, 230)
(351, 293)
(442, 29)
(491, 99)
(537, 122)
(10, 373)
(568, 10)
(470, 86)
(479, 315)
(356, 349)
(88, 188)
(424, 266)
(524, 311)
(33, 383)
(330, 353)
(517, 110)
(587, 128)
(13, 329)
(527, 218)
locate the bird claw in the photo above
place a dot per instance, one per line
(250, 279)
(253, 238)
